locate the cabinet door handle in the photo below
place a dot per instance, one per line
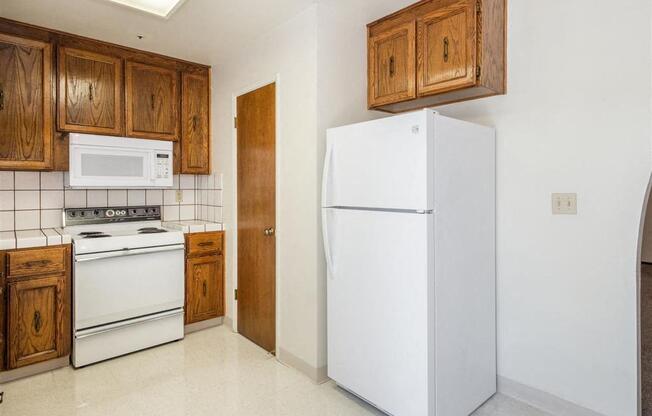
(392, 66)
(204, 288)
(2, 100)
(37, 321)
(446, 45)
(194, 122)
(152, 99)
(90, 92)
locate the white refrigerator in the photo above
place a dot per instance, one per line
(409, 233)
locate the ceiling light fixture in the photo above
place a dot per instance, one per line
(161, 8)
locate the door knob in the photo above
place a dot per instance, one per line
(269, 231)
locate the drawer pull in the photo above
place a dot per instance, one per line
(206, 244)
(38, 263)
(446, 45)
(37, 321)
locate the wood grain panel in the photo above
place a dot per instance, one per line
(392, 65)
(195, 124)
(446, 57)
(256, 141)
(36, 320)
(90, 92)
(205, 243)
(37, 261)
(152, 100)
(25, 104)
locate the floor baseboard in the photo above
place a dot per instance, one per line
(317, 375)
(541, 400)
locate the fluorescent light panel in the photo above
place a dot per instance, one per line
(163, 8)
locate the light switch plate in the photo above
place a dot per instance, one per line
(564, 204)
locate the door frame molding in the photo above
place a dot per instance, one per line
(276, 79)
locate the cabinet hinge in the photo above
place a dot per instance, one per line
(478, 72)
(478, 7)
(235, 122)
(235, 294)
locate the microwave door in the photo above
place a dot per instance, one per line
(93, 167)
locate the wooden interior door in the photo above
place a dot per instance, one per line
(447, 49)
(90, 92)
(25, 103)
(195, 124)
(256, 135)
(152, 97)
(392, 65)
(36, 321)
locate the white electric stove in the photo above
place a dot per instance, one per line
(128, 281)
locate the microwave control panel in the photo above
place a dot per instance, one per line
(163, 166)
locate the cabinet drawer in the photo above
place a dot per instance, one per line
(49, 260)
(204, 243)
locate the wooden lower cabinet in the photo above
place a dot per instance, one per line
(204, 276)
(37, 306)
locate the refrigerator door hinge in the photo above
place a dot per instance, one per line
(478, 72)
(235, 294)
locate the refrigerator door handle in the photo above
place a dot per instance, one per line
(327, 244)
(325, 182)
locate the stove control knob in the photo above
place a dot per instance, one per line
(109, 213)
(83, 214)
(96, 212)
(72, 214)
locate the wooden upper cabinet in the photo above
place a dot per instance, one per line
(152, 101)
(446, 43)
(392, 65)
(460, 54)
(90, 92)
(37, 324)
(25, 104)
(195, 124)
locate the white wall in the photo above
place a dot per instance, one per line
(289, 51)
(576, 119)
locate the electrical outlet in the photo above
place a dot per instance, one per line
(179, 196)
(564, 204)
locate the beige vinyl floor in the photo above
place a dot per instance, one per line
(214, 372)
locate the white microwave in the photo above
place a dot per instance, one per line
(118, 162)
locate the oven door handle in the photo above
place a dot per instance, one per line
(81, 258)
(85, 333)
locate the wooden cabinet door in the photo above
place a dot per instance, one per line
(195, 124)
(90, 92)
(446, 49)
(36, 324)
(152, 100)
(204, 290)
(392, 65)
(25, 103)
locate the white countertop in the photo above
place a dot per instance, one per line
(194, 226)
(10, 240)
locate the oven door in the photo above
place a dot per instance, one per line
(116, 286)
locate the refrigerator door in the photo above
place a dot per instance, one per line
(384, 164)
(380, 292)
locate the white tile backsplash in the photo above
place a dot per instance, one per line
(75, 198)
(26, 200)
(27, 181)
(6, 200)
(33, 200)
(97, 198)
(28, 220)
(51, 180)
(117, 198)
(6, 181)
(51, 199)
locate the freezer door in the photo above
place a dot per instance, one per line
(380, 291)
(385, 164)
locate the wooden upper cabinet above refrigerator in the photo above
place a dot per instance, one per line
(460, 54)
(152, 100)
(25, 103)
(90, 92)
